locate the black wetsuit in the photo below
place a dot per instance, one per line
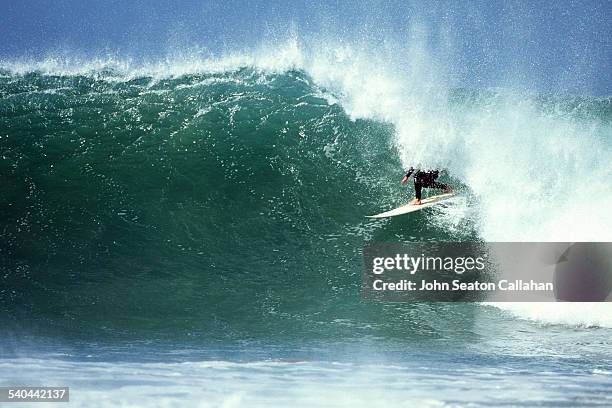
(425, 179)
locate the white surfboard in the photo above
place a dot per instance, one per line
(408, 208)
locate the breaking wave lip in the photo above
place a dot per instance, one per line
(111, 66)
(514, 156)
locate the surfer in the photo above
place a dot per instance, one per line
(424, 179)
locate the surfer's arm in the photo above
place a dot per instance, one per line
(407, 175)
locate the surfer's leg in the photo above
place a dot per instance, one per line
(418, 186)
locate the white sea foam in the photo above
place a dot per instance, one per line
(571, 314)
(298, 384)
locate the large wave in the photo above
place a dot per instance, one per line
(238, 184)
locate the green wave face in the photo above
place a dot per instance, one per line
(213, 203)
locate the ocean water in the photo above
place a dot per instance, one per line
(189, 232)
